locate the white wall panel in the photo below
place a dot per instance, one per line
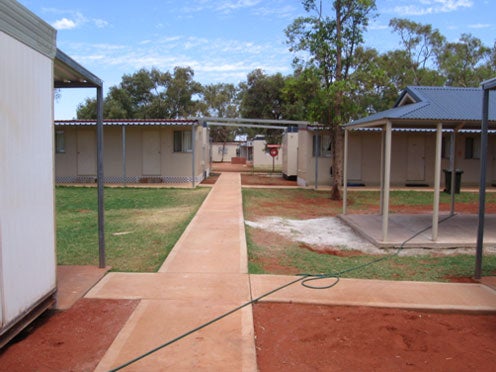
(27, 228)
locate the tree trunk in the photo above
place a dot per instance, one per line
(337, 163)
(337, 135)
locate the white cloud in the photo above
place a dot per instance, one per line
(64, 24)
(275, 8)
(479, 25)
(213, 60)
(74, 20)
(100, 23)
(284, 12)
(229, 6)
(377, 26)
(431, 7)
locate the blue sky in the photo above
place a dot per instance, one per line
(222, 40)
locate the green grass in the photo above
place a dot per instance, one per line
(414, 198)
(394, 267)
(388, 267)
(141, 225)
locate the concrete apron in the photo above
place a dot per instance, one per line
(204, 276)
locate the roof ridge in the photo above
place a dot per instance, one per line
(446, 87)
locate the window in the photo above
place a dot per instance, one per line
(321, 145)
(183, 141)
(220, 150)
(446, 147)
(472, 148)
(59, 142)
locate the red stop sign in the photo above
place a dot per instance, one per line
(274, 152)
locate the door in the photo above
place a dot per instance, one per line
(494, 162)
(416, 159)
(354, 158)
(151, 153)
(86, 152)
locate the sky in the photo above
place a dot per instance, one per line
(221, 40)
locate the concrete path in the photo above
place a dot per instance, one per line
(73, 282)
(205, 276)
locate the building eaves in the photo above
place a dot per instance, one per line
(67, 73)
(130, 122)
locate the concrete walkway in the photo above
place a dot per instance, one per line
(206, 276)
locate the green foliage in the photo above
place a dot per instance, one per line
(421, 44)
(329, 38)
(220, 100)
(148, 94)
(141, 225)
(261, 96)
(467, 62)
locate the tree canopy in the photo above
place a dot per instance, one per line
(336, 77)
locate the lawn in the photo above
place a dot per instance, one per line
(272, 254)
(141, 225)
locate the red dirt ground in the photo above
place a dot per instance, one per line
(71, 340)
(255, 180)
(296, 337)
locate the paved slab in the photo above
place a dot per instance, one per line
(229, 289)
(74, 281)
(215, 240)
(204, 277)
(174, 304)
(380, 293)
(457, 231)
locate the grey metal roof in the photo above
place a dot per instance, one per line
(20, 23)
(129, 122)
(67, 73)
(420, 130)
(449, 105)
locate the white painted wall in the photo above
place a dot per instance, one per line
(230, 151)
(27, 226)
(262, 158)
(290, 154)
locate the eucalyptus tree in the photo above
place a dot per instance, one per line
(220, 100)
(261, 97)
(422, 45)
(148, 94)
(466, 62)
(326, 39)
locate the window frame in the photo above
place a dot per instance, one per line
(324, 150)
(59, 141)
(472, 148)
(180, 141)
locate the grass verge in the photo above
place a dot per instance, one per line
(302, 204)
(141, 225)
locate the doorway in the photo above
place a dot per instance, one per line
(86, 152)
(416, 158)
(151, 152)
